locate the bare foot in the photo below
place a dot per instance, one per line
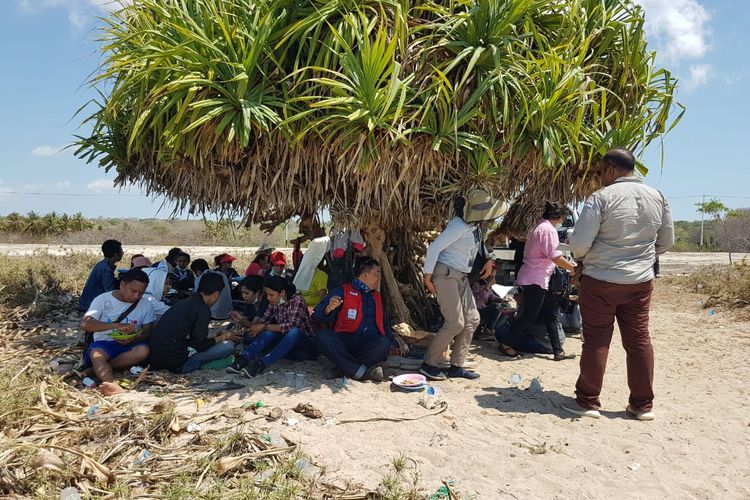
(111, 388)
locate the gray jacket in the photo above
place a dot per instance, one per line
(622, 229)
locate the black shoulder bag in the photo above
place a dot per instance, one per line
(479, 260)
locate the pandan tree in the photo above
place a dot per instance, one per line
(380, 111)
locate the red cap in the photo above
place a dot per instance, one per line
(278, 258)
(227, 258)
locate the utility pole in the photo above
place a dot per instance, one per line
(702, 216)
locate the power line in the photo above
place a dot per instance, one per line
(31, 193)
(710, 196)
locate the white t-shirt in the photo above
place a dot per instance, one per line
(107, 308)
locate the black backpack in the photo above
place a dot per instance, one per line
(559, 282)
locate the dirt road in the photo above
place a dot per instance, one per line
(671, 263)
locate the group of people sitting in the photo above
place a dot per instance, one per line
(160, 314)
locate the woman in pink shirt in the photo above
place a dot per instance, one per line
(539, 259)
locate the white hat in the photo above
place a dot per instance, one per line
(265, 248)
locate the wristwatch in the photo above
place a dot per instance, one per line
(265, 327)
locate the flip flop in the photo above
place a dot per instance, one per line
(508, 351)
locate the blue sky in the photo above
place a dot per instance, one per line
(48, 51)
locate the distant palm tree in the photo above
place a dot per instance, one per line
(13, 223)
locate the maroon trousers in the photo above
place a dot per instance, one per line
(601, 303)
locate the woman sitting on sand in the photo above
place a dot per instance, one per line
(223, 263)
(261, 264)
(285, 328)
(254, 301)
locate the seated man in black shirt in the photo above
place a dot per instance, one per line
(185, 325)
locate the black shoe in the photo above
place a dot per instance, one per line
(254, 368)
(432, 372)
(561, 356)
(375, 374)
(460, 372)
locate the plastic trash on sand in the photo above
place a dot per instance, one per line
(70, 493)
(431, 399)
(535, 387)
(91, 412)
(143, 457)
(515, 379)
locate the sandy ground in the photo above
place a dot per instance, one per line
(498, 440)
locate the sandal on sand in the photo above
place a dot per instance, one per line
(508, 351)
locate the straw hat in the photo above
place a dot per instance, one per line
(480, 206)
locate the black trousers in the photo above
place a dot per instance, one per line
(538, 305)
(489, 315)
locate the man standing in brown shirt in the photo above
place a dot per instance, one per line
(623, 227)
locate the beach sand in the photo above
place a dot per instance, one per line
(499, 440)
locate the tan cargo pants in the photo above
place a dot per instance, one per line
(460, 312)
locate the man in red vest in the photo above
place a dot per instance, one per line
(360, 337)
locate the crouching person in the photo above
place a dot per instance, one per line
(121, 323)
(185, 326)
(360, 337)
(283, 331)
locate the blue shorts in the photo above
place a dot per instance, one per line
(111, 348)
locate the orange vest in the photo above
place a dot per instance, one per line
(352, 301)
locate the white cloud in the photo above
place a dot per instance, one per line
(80, 12)
(100, 185)
(700, 74)
(45, 151)
(679, 27)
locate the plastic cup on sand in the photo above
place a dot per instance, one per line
(299, 381)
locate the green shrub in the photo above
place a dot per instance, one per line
(724, 285)
(24, 279)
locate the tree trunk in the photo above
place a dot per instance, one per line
(729, 241)
(395, 306)
(406, 253)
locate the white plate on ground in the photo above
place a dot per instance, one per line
(410, 381)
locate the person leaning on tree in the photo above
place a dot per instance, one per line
(623, 227)
(449, 261)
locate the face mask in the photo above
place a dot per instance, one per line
(558, 226)
(281, 301)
